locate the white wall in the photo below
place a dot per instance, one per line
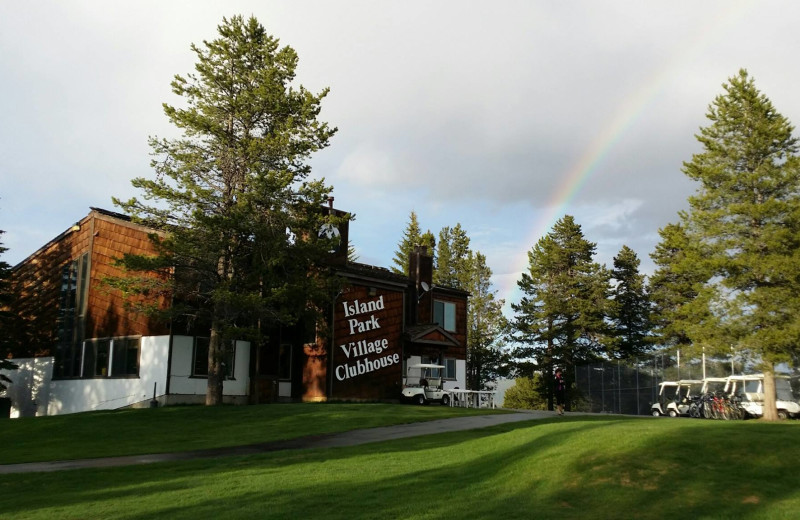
(80, 395)
(30, 388)
(34, 392)
(182, 383)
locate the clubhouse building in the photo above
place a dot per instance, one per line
(85, 350)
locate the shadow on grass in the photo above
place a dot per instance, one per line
(581, 467)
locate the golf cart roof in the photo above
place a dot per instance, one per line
(426, 365)
(682, 382)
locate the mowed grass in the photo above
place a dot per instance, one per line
(576, 467)
(185, 428)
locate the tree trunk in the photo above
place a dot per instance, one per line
(215, 375)
(770, 405)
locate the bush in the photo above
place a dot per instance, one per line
(528, 393)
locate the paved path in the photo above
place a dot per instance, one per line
(333, 440)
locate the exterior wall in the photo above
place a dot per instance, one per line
(34, 392)
(111, 238)
(181, 382)
(30, 388)
(367, 357)
(37, 284)
(80, 395)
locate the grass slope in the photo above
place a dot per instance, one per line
(576, 467)
(184, 428)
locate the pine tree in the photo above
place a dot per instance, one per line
(452, 257)
(746, 215)
(232, 197)
(675, 288)
(5, 315)
(630, 307)
(412, 236)
(486, 325)
(559, 320)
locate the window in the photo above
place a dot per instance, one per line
(444, 313)
(285, 361)
(449, 368)
(200, 358)
(125, 357)
(110, 357)
(70, 317)
(431, 372)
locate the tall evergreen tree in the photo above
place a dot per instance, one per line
(5, 315)
(452, 258)
(486, 325)
(412, 236)
(675, 287)
(630, 307)
(560, 319)
(232, 195)
(746, 215)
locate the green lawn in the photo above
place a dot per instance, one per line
(561, 468)
(183, 428)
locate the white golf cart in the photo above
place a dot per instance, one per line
(420, 387)
(751, 390)
(675, 397)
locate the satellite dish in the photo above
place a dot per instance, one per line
(424, 286)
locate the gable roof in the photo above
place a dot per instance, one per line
(430, 334)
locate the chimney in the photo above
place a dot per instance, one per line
(420, 271)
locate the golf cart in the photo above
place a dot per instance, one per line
(420, 387)
(751, 390)
(674, 398)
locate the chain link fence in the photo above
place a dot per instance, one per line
(623, 387)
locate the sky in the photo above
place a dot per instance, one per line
(502, 116)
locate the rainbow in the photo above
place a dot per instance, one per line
(576, 176)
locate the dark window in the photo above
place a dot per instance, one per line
(200, 358)
(125, 357)
(70, 317)
(444, 313)
(449, 368)
(96, 357)
(285, 361)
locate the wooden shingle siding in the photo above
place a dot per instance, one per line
(107, 313)
(37, 282)
(383, 383)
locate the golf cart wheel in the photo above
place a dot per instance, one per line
(673, 413)
(782, 415)
(445, 400)
(419, 399)
(656, 413)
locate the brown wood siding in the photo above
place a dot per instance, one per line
(380, 383)
(460, 334)
(37, 282)
(107, 315)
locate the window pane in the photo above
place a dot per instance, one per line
(285, 361)
(126, 357)
(450, 368)
(228, 359)
(431, 372)
(450, 317)
(444, 313)
(101, 365)
(95, 358)
(200, 363)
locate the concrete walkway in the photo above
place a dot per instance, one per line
(333, 440)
